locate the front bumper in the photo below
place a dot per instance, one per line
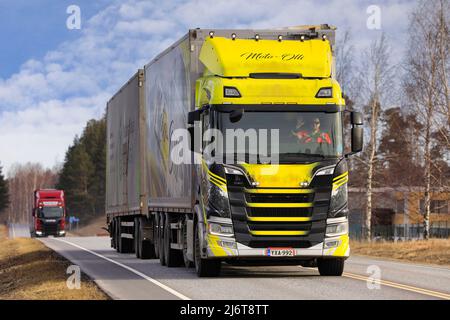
(227, 247)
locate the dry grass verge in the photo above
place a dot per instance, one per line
(433, 251)
(94, 228)
(29, 270)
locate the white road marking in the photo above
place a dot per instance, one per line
(156, 282)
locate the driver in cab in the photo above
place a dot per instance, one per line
(316, 135)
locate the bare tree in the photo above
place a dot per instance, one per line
(23, 180)
(426, 83)
(344, 63)
(376, 80)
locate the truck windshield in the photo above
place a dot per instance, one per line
(51, 212)
(302, 136)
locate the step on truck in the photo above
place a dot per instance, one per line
(230, 147)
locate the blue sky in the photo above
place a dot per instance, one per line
(31, 28)
(52, 80)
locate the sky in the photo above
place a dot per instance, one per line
(54, 79)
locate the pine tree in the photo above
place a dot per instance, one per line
(83, 173)
(4, 192)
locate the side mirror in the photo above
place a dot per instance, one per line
(194, 147)
(236, 115)
(194, 116)
(357, 138)
(356, 118)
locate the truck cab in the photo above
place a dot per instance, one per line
(286, 203)
(48, 216)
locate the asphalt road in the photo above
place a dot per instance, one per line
(122, 276)
(17, 230)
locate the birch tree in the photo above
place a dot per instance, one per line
(426, 83)
(376, 80)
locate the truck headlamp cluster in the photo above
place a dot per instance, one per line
(338, 198)
(231, 92)
(337, 229)
(220, 229)
(325, 171)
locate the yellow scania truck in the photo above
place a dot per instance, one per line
(273, 191)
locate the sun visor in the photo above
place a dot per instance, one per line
(242, 57)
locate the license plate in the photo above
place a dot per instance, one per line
(280, 252)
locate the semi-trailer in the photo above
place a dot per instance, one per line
(186, 180)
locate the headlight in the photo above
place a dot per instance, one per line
(338, 198)
(337, 229)
(220, 229)
(218, 201)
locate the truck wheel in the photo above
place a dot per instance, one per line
(330, 267)
(136, 240)
(187, 262)
(145, 247)
(112, 234)
(173, 257)
(204, 267)
(125, 245)
(156, 235)
(162, 256)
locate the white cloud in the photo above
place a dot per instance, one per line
(48, 100)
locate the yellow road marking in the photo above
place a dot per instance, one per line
(399, 286)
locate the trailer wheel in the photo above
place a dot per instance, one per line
(137, 240)
(112, 234)
(204, 267)
(173, 257)
(145, 247)
(125, 245)
(331, 267)
(156, 235)
(116, 233)
(162, 256)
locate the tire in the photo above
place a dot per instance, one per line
(331, 267)
(156, 235)
(145, 247)
(173, 257)
(187, 262)
(112, 232)
(204, 267)
(136, 240)
(162, 256)
(125, 245)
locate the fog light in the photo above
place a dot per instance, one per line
(227, 244)
(332, 243)
(39, 233)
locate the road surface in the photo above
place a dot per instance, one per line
(17, 230)
(122, 276)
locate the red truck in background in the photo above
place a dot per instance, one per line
(49, 213)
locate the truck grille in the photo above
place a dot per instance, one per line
(279, 212)
(282, 217)
(50, 228)
(279, 198)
